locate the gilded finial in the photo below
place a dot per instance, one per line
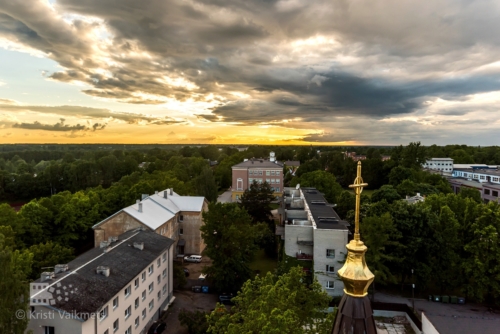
(355, 274)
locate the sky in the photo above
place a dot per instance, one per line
(339, 72)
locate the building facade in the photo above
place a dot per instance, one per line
(166, 213)
(484, 179)
(444, 165)
(120, 287)
(258, 170)
(312, 231)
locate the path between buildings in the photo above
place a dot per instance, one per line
(225, 197)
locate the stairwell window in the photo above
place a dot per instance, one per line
(330, 269)
(330, 253)
(330, 284)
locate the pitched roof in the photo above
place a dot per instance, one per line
(89, 291)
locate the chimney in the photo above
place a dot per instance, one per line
(104, 244)
(112, 239)
(156, 192)
(140, 207)
(60, 268)
(46, 275)
(139, 245)
(418, 194)
(171, 191)
(407, 196)
(144, 196)
(103, 270)
(165, 194)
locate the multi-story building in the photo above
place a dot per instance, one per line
(167, 213)
(486, 180)
(313, 231)
(354, 156)
(258, 170)
(443, 165)
(120, 287)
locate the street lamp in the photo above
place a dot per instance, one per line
(412, 291)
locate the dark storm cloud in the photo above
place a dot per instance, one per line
(400, 54)
(60, 126)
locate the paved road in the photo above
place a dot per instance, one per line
(225, 197)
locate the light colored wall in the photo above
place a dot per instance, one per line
(329, 239)
(292, 232)
(191, 233)
(47, 316)
(427, 326)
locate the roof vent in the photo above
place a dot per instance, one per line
(171, 191)
(156, 192)
(139, 245)
(107, 249)
(245, 160)
(165, 194)
(327, 219)
(144, 196)
(112, 239)
(103, 270)
(46, 275)
(60, 268)
(318, 202)
(104, 244)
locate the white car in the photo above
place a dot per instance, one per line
(193, 258)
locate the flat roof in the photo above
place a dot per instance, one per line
(485, 171)
(323, 214)
(259, 163)
(89, 291)
(441, 159)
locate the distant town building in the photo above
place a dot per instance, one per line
(444, 165)
(258, 170)
(292, 166)
(354, 156)
(313, 231)
(485, 180)
(166, 213)
(385, 157)
(122, 286)
(414, 199)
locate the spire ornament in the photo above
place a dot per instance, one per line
(355, 273)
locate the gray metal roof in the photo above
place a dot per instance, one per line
(89, 291)
(323, 214)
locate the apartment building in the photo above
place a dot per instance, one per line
(485, 179)
(313, 231)
(258, 170)
(443, 165)
(120, 287)
(166, 213)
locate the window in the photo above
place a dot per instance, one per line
(164, 289)
(136, 283)
(129, 330)
(330, 284)
(164, 274)
(136, 322)
(268, 172)
(486, 191)
(495, 193)
(159, 295)
(115, 303)
(164, 257)
(127, 312)
(250, 172)
(181, 218)
(143, 275)
(330, 253)
(268, 181)
(151, 304)
(181, 231)
(103, 313)
(483, 177)
(330, 269)
(106, 331)
(150, 269)
(49, 330)
(144, 295)
(277, 173)
(239, 184)
(151, 287)
(136, 304)
(127, 291)
(158, 263)
(115, 325)
(272, 172)
(260, 172)
(143, 313)
(158, 279)
(277, 188)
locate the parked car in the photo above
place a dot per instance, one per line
(193, 258)
(226, 299)
(157, 328)
(186, 271)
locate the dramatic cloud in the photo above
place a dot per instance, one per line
(60, 126)
(398, 65)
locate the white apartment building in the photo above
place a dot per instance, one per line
(120, 287)
(314, 231)
(444, 165)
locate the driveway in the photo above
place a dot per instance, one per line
(225, 197)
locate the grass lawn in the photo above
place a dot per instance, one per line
(262, 263)
(274, 206)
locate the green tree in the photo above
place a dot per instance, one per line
(323, 181)
(48, 255)
(471, 193)
(231, 240)
(275, 304)
(205, 184)
(399, 174)
(257, 201)
(345, 201)
(386, 192)
(15, 268)
(195, 321)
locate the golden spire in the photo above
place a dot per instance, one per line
(355, 273)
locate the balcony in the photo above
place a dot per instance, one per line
(304, 256)
(305, 242)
